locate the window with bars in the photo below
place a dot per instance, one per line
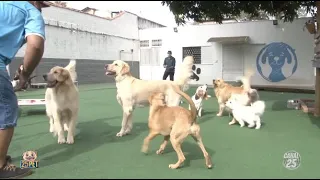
(156, 42)
(192, 51)
(144, 43)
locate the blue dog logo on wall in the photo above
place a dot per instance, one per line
(276, 62)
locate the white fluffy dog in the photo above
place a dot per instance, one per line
(198, 97)
(249, 114)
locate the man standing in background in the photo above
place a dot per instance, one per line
(170, 64)
(20, 22)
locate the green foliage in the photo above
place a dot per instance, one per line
(219, 10)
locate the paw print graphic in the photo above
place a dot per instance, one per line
(196, 72)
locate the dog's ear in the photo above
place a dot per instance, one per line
(65, 74)
(125, 69)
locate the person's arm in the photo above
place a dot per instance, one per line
(165, 63)
(174, 62)
(33, 54)
(35, 37)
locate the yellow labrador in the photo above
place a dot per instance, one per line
(132, 92)
(174, 123)
(62, 101)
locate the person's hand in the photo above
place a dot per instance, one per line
(23, 79)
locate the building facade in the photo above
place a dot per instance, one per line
(280, 54)
(90, 39)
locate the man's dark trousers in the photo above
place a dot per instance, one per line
(168, 73)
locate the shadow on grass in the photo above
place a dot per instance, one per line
(193, 152)
(93, 134)
(279, 106)
(206, 116)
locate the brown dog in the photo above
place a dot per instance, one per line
(223, 91)
(174, 123)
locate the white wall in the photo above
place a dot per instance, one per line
(261, 33)
(125, 25)
(76, 35)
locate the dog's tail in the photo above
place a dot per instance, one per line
(71, 67)
(246, 84)
(258, 107)
(193, 107)
(185, 72)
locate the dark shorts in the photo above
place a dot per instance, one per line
(8, 102)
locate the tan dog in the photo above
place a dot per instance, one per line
(223, 91)
(133, 92)
(174, 123)
(62, 101)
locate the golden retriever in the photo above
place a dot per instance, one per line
(133, 92)
(174, 123)
(62, 101)
(223, 91)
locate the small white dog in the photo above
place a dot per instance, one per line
(249, 114)
(198, 97)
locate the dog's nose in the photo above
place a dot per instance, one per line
(45, 77)
(106, 66)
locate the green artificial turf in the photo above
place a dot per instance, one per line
(236, 152)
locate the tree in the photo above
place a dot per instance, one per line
(61, 3)
(217, 11)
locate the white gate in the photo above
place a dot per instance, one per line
(233, 62)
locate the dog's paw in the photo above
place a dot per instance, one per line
(120, 134)
(173, 166)
(250, 125)
(231, 123)
(160, 151)
(61, 140)
(127, 131)
(70, 140)
(257, 128)
(144, 149)
(219, 114)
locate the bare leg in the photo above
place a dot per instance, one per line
(147, 140)
(5, 139)
(163, 145)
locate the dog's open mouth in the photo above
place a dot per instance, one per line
(29, 158)
(110, 73)
(51, 84)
